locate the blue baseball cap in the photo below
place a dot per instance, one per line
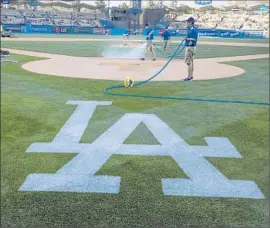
(191, 19)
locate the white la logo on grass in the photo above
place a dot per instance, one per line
(78, 175)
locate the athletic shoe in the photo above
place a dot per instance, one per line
(142, 59)
(189, 79)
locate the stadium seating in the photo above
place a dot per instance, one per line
(224, 20)
(210, 20)
(10, 16)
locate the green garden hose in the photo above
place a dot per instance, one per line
(179, 49)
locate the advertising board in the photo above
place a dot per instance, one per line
(39, 29)
(61, 30)
(82, 30)
(101, 31)
(14, 28)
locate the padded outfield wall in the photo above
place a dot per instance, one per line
(50, 29)
(218, 33)
(215, 33)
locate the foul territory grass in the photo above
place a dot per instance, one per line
(33, 110)
(98, 48)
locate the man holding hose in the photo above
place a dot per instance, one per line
(190, 44)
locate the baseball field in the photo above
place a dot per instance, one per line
(72, 156)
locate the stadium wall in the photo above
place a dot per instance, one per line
(51, 29)
(119, 31)
(218, 33)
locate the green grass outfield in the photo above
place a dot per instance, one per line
(139, 37)
(33, 109)
(96, 48)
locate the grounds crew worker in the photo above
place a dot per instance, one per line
(149, 44)
(190, 43)
(166, 38)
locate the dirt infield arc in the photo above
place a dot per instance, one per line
(118, 69)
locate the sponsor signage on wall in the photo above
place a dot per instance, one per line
(160, 32)
(208, 33)
(61, 30)
(173, 32)
(101, 31)
(41, 29)
(254, 34)
(181, 32)
(203, 2)
(14, 28)
(230, 34)
(83, 30)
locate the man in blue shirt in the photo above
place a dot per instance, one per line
(166, 38)
(149, 44)
(190, 43)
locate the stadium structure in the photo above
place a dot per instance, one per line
(238, 15)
